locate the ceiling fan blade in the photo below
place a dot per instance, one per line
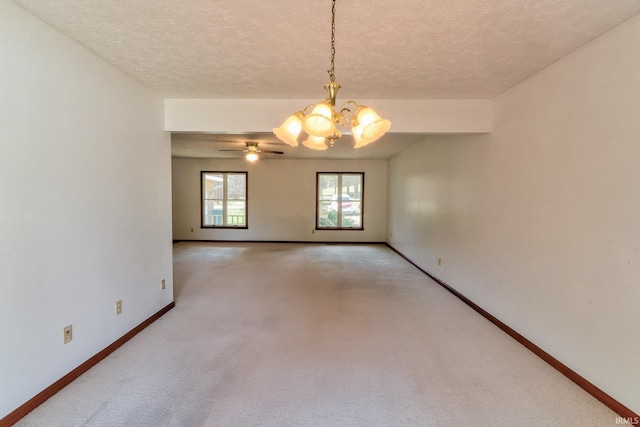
(232, 150)
(272, 152)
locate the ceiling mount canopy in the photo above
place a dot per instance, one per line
(320, 124)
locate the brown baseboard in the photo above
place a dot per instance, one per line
(603, 397)
(45, 394)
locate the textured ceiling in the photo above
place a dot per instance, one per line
(280, 49)
(402, 49)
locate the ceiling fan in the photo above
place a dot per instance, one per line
(252, 150)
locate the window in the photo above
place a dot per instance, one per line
(339, 200)
(224, 199)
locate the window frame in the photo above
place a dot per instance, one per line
(225, 200)
(339, 201)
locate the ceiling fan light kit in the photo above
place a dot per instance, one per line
(321, 123)
(251, 151)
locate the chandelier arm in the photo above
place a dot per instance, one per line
(304, 110)
(344, 106)
(345, 109)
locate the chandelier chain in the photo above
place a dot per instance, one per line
(331, 72)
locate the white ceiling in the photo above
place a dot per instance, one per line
(402, 49)
(208, 146)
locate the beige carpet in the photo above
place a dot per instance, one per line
(317, 335)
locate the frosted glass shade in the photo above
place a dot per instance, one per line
(373, 127)
(320, 122)
(357, 136)
(290, 129)
(252, 157)
(315, 143)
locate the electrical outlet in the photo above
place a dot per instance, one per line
(118, 307)
(439, 261)
(163, 284)
(67, 334)
(313, 231)
(192, 229)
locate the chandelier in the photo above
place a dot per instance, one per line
(321, 123)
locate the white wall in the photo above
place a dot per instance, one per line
(418, 116)
(538, 222)
(281, 194)
(85, 205)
